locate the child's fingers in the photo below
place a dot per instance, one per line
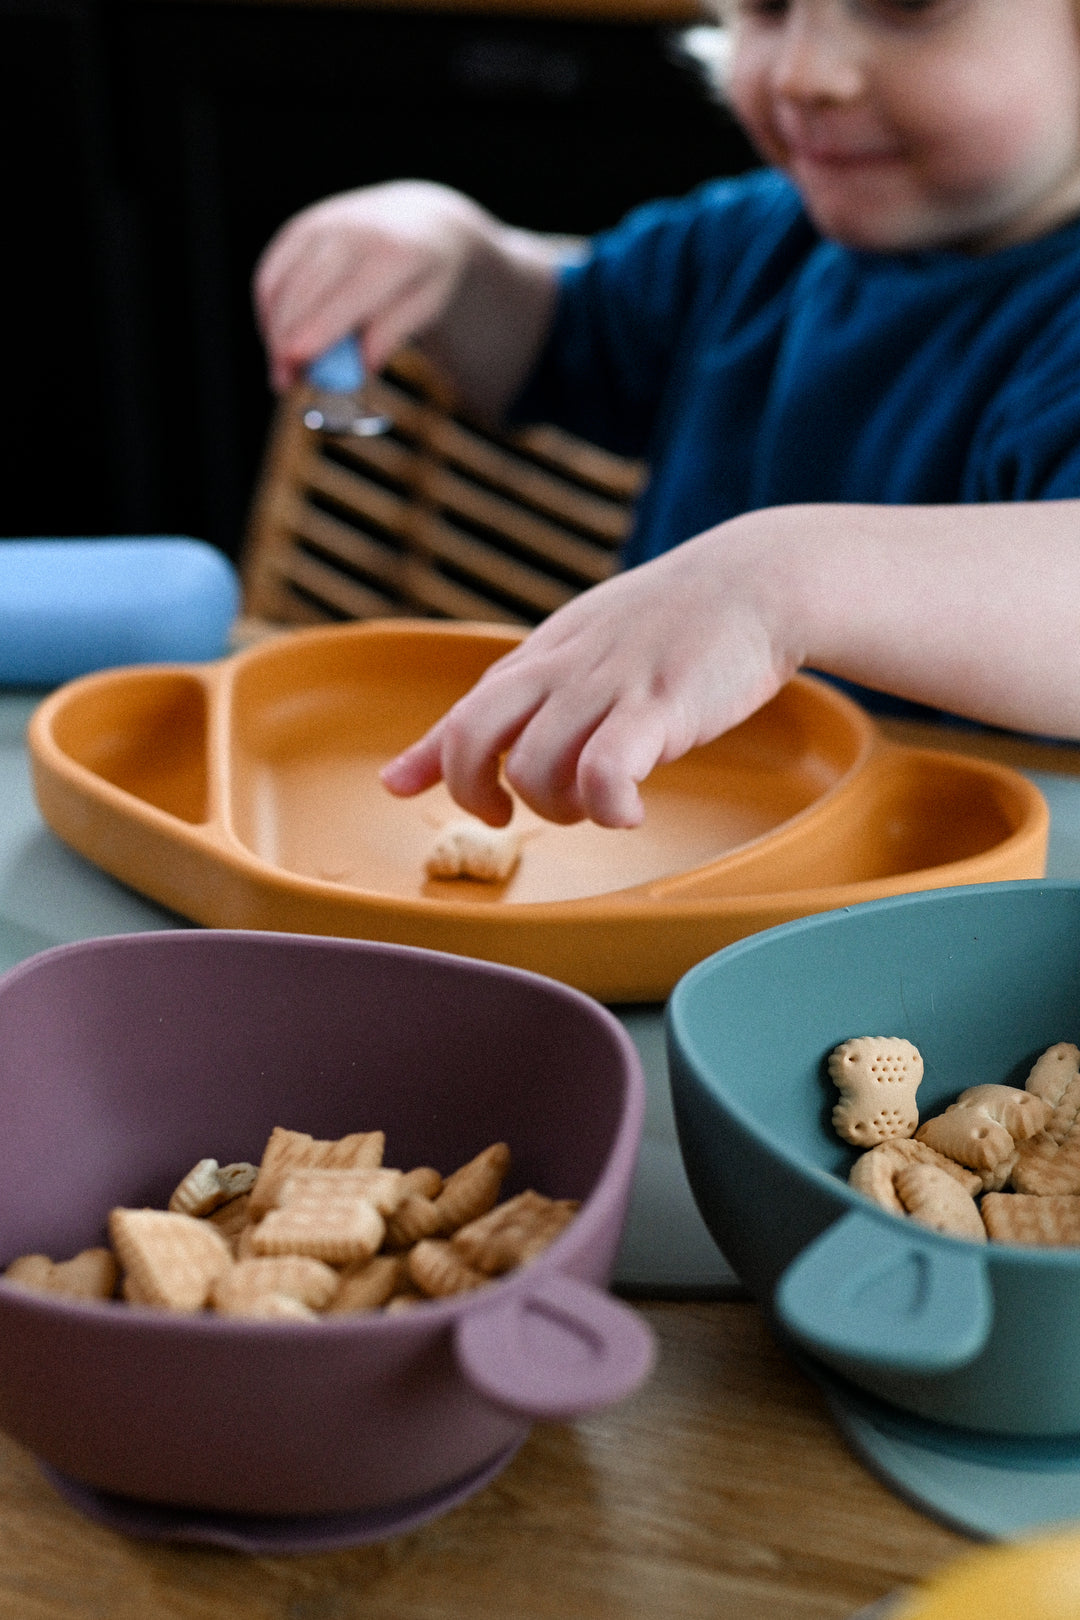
(615, 759)
(413, 309)
(424, 764)
(415, 770)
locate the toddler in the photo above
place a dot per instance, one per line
(854, 375)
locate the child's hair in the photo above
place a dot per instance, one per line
(707, 46)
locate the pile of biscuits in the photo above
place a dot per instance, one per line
(1001, 1162)
(316, 1228)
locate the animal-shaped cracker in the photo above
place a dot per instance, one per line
(209, 1184)
(513, 1232)
(90, 1274)
(874, 1173)
(1054, 1072)
(1048, 1163)
(968, 1135)
(471, 849)
(437, 1270)
(877, 1077)
(935, 1199)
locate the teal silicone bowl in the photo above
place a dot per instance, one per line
(981, 979)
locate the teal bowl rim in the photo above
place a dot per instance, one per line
(676, 1036)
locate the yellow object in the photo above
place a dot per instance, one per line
(1028, 1580)
(245, 794)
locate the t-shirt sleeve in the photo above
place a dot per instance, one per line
(623, 314)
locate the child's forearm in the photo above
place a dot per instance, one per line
(488, 337)
(970, 608)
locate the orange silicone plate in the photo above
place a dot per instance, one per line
(246, 794)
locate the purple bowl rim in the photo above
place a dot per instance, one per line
(593, 1213)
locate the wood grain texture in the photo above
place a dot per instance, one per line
(721, 1491)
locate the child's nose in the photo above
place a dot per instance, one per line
(819, 55)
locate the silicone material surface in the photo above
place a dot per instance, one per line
(71, 606)
(874, 1296)
(992, 1486)
(246, 794)
(123, 1061)
(339, 369)
(982, 980)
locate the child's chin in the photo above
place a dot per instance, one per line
(869, 234)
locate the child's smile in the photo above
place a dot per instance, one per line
(916, 123)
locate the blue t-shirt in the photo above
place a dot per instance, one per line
(751, 362)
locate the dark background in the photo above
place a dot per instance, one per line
(152, 150)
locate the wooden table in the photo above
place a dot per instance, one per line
(720, 1490)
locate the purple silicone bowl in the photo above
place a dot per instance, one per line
(124, 1060)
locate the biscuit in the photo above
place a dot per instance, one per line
(168, 1258)
(473, 1189)
(1048, 1163)
(877, 1077)
(269, 1307)
(471, 849)
(366, 1286)
(1021, 1112)
(30, 1271)
(416, 1217)
(513, 1232)
(287, 1151)
(339, 1231)
(90, 1274)
(934, 1199)
(1053, 1221)
(1001, 1175)
(437, 1270)
(874, 1172)
(382, 1187)
(231, 1219)
(425, 1181)
(1054, 1072)
(208, 1184)
(969, 1136)
(300, 1277)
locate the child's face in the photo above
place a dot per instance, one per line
(915, 123)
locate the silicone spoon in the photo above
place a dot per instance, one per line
(338, 375)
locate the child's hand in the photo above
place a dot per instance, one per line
(630, 674)
(385, 260)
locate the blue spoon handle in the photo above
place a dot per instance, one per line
(339, 369)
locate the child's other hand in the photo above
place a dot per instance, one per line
(384, 260)
(630, 674)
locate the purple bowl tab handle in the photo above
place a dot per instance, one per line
(557, 1349)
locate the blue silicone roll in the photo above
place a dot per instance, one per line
(68, 607)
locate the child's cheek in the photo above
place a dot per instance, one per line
(749, 100)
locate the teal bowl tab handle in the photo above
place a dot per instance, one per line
(877, 1294)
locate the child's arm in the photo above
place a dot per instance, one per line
(975, 609)
(407, 260)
